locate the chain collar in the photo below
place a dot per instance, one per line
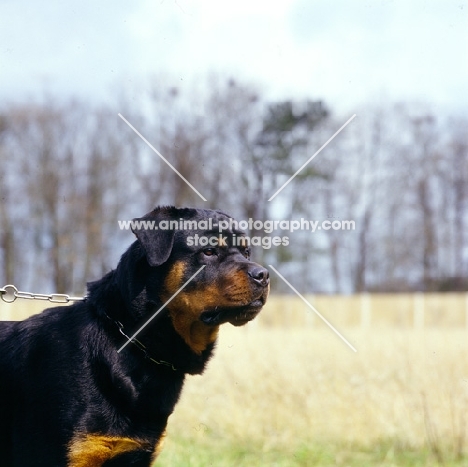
(140, 346)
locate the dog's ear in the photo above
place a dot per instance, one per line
(157, 243)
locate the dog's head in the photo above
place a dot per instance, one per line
(201, 271)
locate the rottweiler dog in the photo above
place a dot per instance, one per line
(73, 393)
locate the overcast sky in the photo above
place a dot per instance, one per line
(345, 52)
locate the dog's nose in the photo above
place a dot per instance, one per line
(260, 275)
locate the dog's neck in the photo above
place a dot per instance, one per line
(139, 345)
(159, 339)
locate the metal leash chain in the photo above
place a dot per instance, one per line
(9, 293)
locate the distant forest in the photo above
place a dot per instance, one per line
(70, 169)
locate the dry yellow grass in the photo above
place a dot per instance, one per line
(274, 388)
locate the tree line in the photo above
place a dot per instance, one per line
(71, 169)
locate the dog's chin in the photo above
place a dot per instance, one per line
(237, 316)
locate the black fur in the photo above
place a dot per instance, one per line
(61, 374)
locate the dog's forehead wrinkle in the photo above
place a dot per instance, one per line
(210, 233)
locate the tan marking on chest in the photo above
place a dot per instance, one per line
(93, 450)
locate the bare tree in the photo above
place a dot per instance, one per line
(7, 242)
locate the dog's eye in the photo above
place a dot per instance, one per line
(209, 251)
(247, 252)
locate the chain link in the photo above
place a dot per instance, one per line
(140, 346)
(9, 293)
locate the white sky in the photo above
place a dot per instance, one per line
(345, 52)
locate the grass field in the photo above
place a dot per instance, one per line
(301, 397)
(277, 394)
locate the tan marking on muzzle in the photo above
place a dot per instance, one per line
(185, 309)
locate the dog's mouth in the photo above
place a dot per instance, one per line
(234, 315)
